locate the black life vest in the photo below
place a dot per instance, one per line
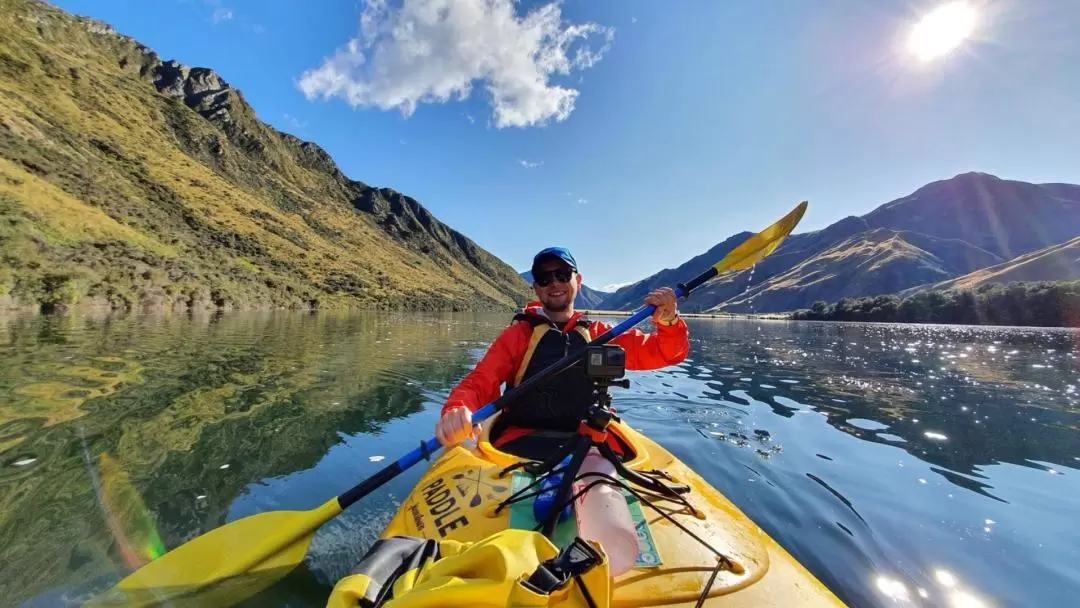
(560, 403)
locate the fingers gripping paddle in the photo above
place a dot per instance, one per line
(245, 556)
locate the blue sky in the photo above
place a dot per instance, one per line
(691, 120)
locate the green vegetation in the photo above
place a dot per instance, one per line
(131, 183)
(1041, 304)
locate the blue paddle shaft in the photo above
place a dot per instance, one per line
(430, 447)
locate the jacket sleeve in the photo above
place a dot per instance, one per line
(667, 346)
(483, 384)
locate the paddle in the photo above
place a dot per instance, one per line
(247, 555)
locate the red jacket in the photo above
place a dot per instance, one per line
(668, 346)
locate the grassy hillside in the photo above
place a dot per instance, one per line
(871, 263)
(1005, 217)
(130, 182)
(1057, 263)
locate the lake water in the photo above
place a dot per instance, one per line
(904, 465)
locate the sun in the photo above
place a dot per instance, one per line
(942, 30)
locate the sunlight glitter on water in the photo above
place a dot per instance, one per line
(892, 589)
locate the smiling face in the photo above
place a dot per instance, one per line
(558, 295)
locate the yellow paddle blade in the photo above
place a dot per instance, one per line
(754, 249)
(225, 565)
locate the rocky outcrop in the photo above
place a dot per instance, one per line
(199, 88)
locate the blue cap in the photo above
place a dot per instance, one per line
(561, 253)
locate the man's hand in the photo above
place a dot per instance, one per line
(455, 426)
(665, 302)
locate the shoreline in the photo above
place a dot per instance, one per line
(694, 315)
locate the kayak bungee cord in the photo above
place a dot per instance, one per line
(611, 481)
(723, 562)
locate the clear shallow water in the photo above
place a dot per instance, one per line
(904, 465)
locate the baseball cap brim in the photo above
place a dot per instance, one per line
(559, 253)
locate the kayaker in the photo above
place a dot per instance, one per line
(545, 331)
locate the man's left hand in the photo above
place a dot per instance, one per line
(665, 302)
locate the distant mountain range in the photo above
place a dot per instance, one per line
(587, 297)
(972, 227)
(131, 182)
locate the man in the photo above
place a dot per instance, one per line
(544, 332)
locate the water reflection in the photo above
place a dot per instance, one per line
(880, 456)
(194, 412)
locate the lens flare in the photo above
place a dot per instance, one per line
(129, 521)
(942, 30)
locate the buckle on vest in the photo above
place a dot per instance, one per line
(577, 558)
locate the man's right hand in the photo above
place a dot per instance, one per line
(455, 426)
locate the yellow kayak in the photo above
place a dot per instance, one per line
(732, 562)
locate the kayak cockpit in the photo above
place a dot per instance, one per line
(687, 549)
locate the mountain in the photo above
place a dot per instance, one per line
(587, 297)
(131, 182)
(1007, 218)
(631, 296)
(942, 231)
(1055, 263)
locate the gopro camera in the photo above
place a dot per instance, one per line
(605, 361)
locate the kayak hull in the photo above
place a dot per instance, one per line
(459, 495)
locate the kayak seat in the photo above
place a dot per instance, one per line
(541, 443)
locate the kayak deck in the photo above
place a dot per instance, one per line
(459, 495)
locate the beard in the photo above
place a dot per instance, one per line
(557, 304)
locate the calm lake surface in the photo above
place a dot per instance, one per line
(904, 465)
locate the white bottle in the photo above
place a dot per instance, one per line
(602, 515)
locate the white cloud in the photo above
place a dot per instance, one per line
(470, 119)
(221, 14)
(568, 193)
(633, 19)
(613, 287)
(294, 122)
(434, 51)
(582, 201)
(530, 165)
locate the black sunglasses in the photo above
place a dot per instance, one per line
(545, 277)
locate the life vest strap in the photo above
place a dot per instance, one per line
(597, 437)
(542, 325)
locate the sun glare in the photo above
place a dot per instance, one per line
(942, 30)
